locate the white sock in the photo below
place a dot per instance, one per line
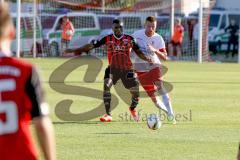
(168, 104)
(159, 104)
(165, 97)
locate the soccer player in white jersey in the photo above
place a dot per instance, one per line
(149, 75)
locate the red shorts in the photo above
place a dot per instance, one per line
(148, 79)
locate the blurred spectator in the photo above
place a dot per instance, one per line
(175, 48)
(196, 32)
(232, 29)
(190, 27)
(67, 33)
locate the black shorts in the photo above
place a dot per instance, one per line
(65, 42)
(127, 76)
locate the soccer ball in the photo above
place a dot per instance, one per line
(153, 122)
(69, 32)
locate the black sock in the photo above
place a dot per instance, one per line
(107, 102)
(134, 103)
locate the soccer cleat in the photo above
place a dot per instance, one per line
(171, 119)
(106, 118)
(134, 114)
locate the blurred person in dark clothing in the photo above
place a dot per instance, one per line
(232, 29)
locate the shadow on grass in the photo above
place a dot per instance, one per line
(115, 133)
(77, 122)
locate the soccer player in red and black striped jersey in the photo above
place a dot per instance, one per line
(21, 100)
(119, 46)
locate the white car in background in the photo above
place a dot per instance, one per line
(219, 20)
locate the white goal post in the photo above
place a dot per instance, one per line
(200, 34)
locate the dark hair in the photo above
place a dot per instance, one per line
(116, 21)
(5, 17)
(151, 19)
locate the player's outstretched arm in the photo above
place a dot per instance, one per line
(45, 134)
(86, 48)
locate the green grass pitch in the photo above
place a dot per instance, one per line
(205, 96)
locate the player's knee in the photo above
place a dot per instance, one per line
(159, 84)
(107, 84)
(135, 90)
(135, 93)
(151, 94)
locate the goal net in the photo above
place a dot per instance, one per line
(92, 19)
